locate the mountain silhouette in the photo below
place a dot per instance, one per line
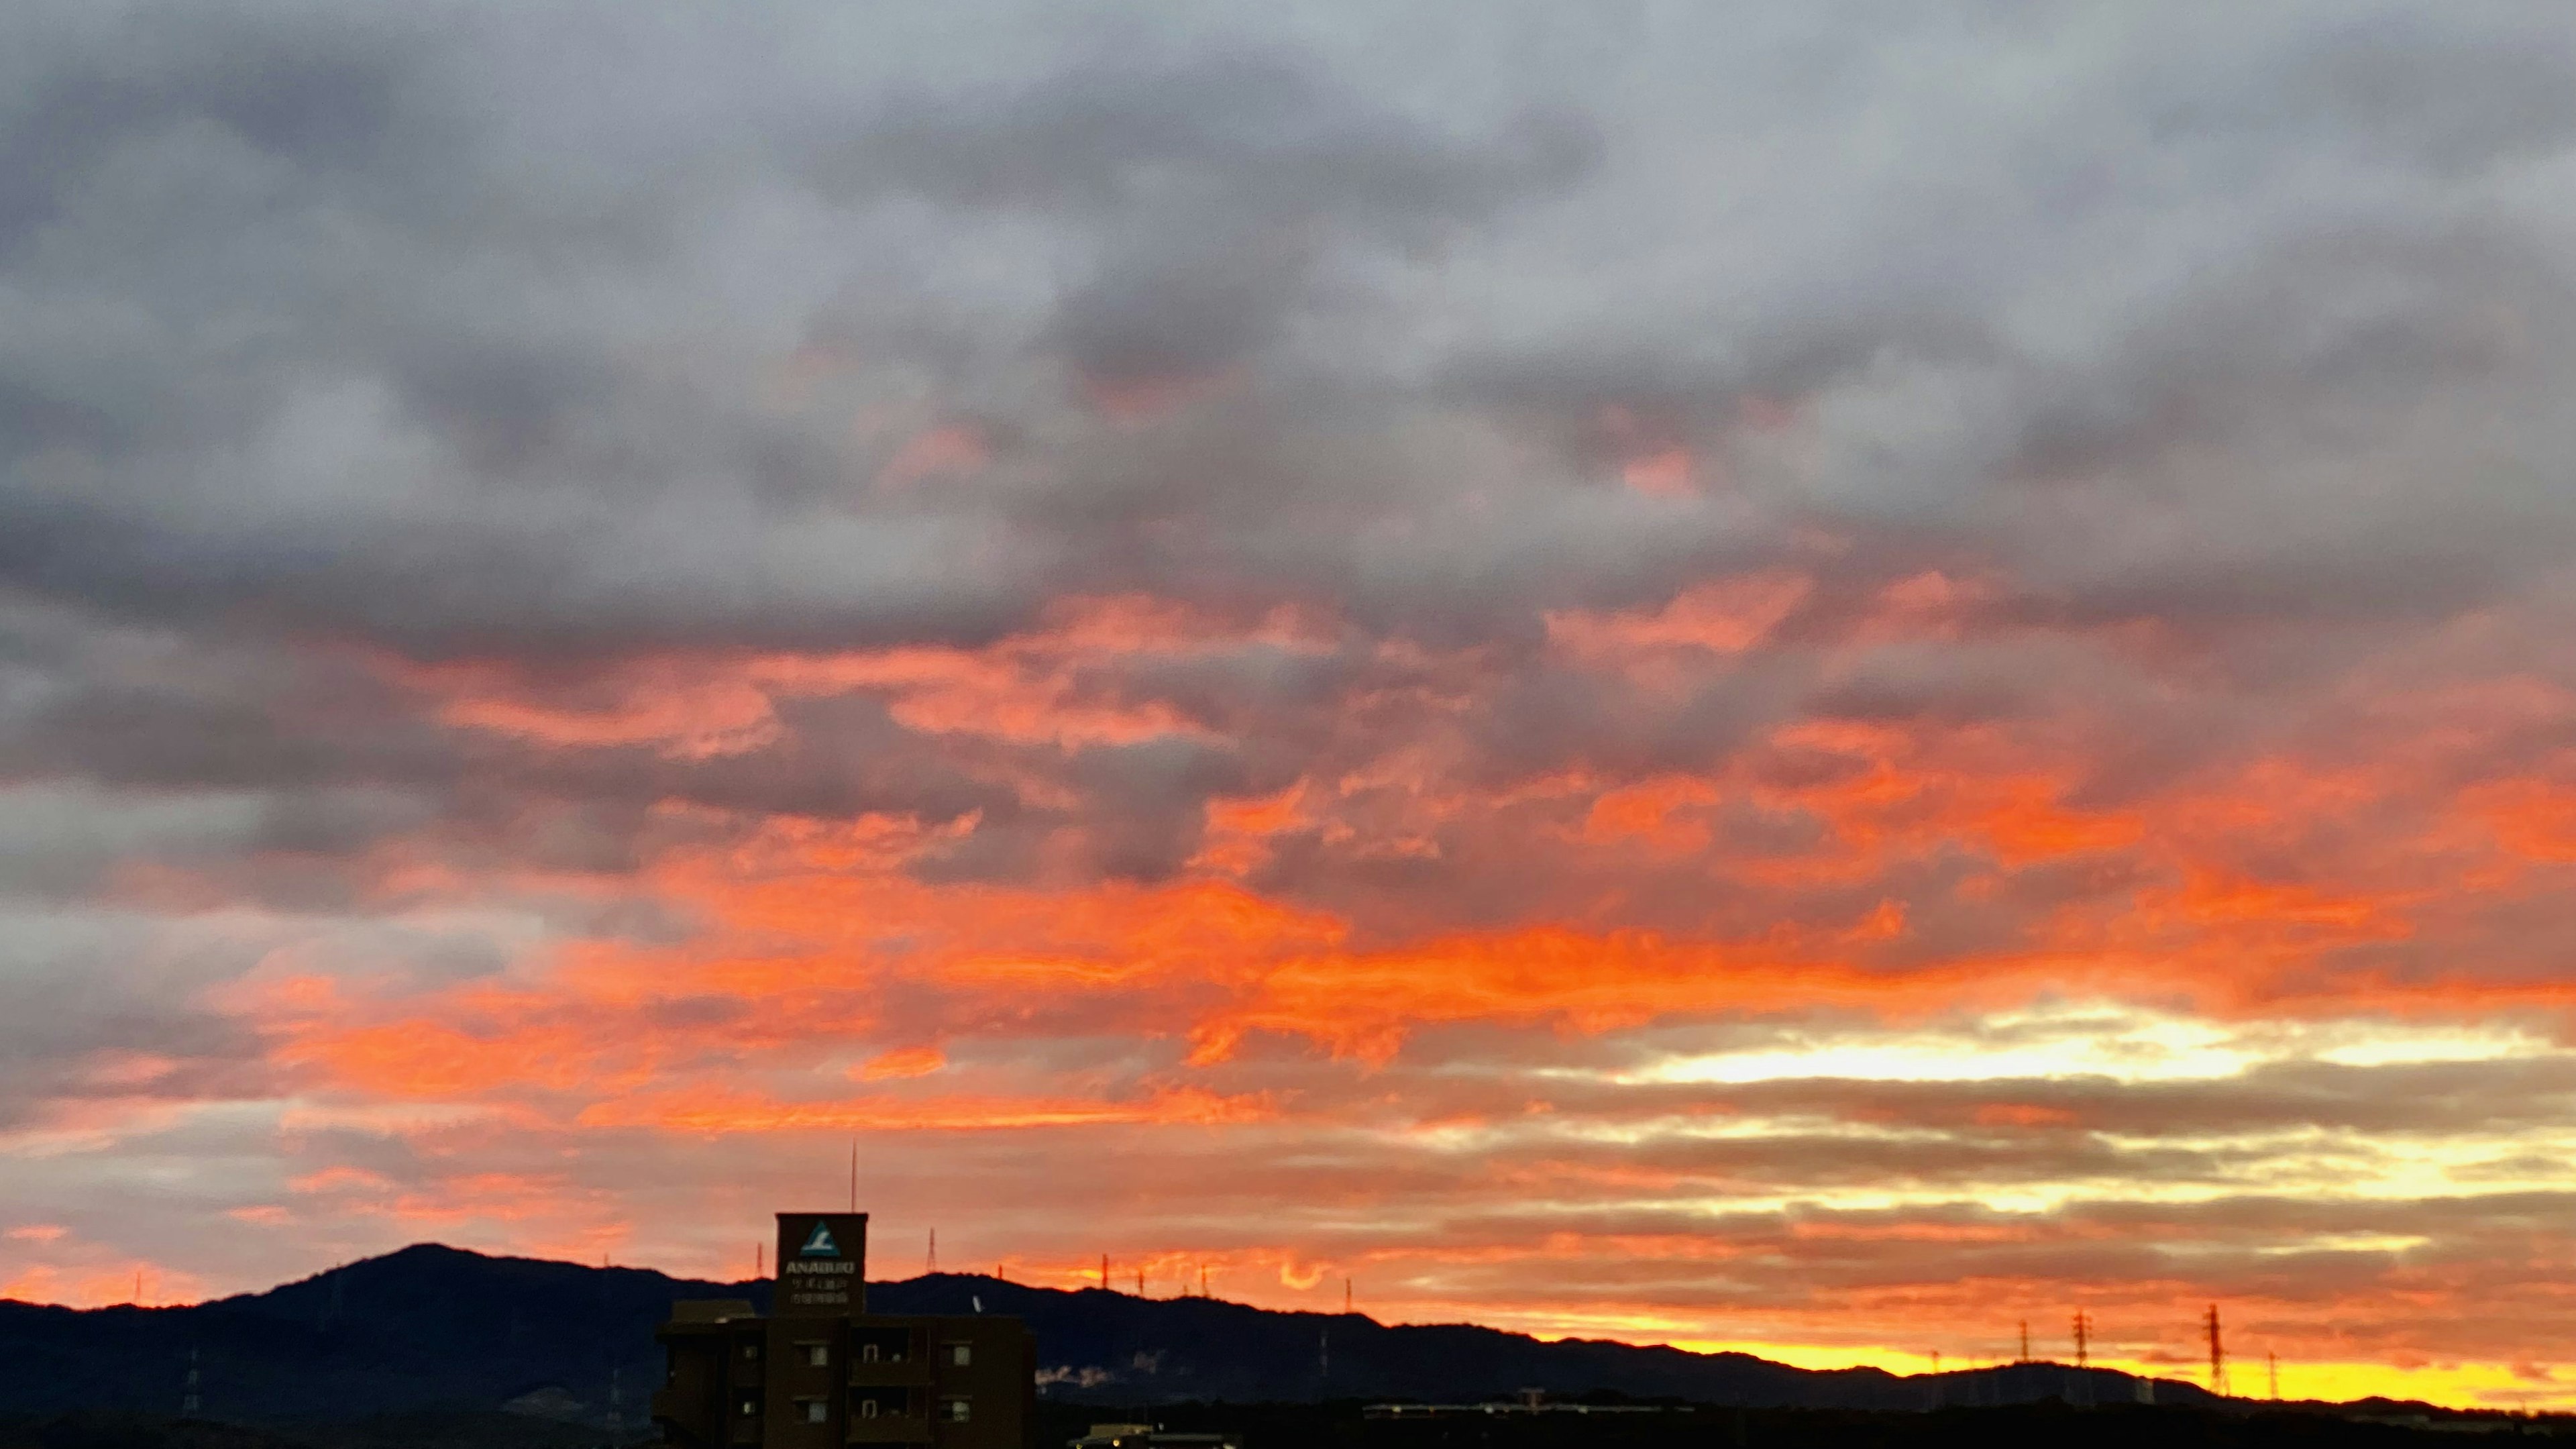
(438, 1328)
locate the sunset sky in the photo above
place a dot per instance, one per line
(1812, 677)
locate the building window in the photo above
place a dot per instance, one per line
(959, 1355)
(817, 1355)
(867, 1408)
(956, 1411)
(751, 1350)
(750, 1406)
(867, 1353)
(813, 1411)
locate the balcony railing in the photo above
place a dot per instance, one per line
(879, 1373)
(890, 1429)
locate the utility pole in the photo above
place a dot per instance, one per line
(2083, 1336)
(2217, 1354)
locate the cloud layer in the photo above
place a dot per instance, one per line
(1820, 678)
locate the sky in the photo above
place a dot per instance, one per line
(1820, 678)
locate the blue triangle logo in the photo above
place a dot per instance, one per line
(819, 1243)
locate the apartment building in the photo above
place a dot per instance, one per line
(820, 1371)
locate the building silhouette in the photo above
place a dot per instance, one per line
(820, 1370)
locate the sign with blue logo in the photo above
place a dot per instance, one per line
(822, 1263)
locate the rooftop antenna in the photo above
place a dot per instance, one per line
(2272, 1366)
(2083, 1335)
(854, 1174)
(2025, 1342)
(2217, 1353)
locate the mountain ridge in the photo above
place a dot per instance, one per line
(435, 1327)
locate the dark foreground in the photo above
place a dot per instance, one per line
(462, 1430)
(1346, 1426)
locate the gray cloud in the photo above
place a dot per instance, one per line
(431, 447)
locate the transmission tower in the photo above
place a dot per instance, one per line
(2025, 1342)
(2272, 1369)
(2083, 1336)
(2217, 1353)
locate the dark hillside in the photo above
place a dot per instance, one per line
(434, 1328)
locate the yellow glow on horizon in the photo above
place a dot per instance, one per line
(2113, 1040)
